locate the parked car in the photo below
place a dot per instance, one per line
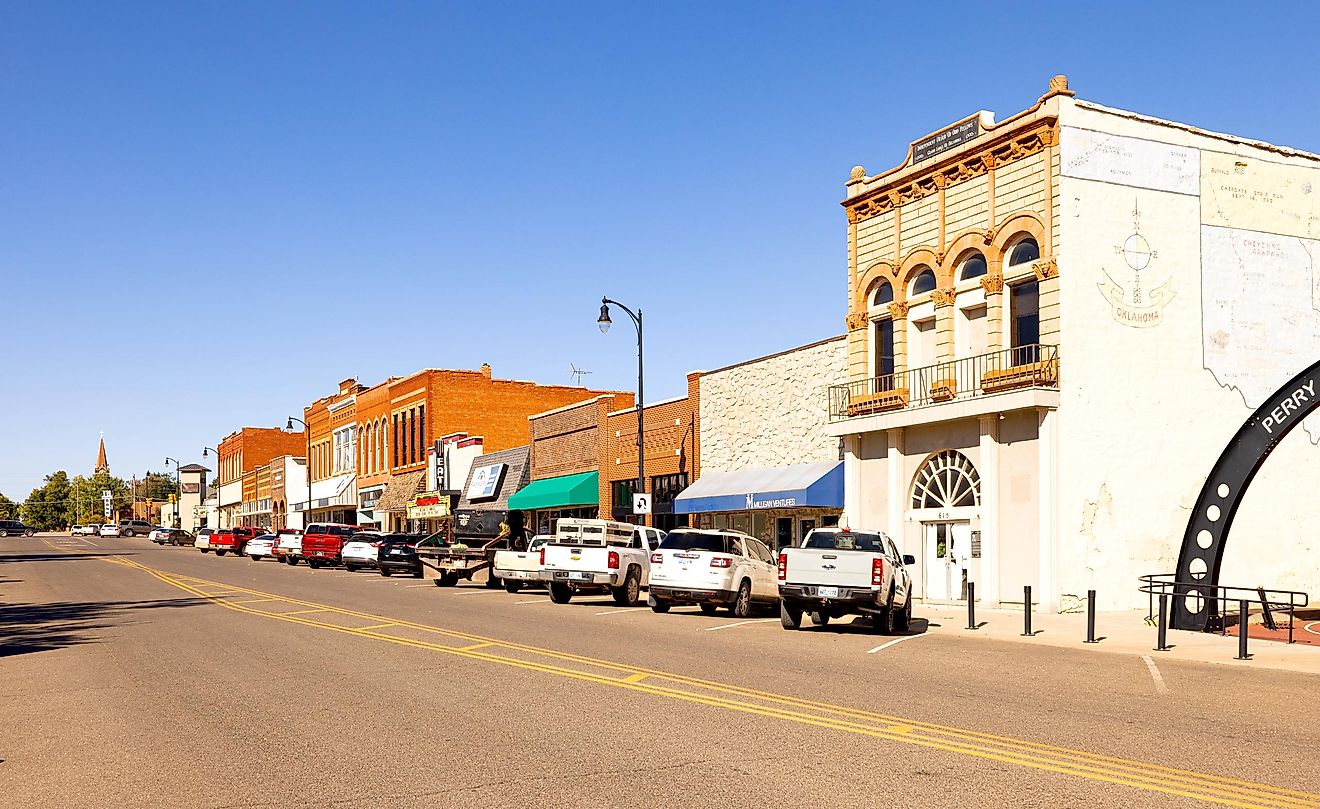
(602, 555)
(13, 528)
(135, 528)
(203, 540)
(835, 572)
(323, 543)
(398, 554)
(233, 539)
(288, 545)
(108, 530)
(360, 551)
(712, 569)
(179, 537)
(158, 535)
(260, 546)
(518, 568)
(76, 530)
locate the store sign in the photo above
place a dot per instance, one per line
(946, 139)
(429, 506)
(782, 502)
(369, 499)
(485, 481)
(191, 488)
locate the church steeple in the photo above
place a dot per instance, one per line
(102, 465)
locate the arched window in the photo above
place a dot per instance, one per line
(883, 294)
(1024, 252)
(972, 267)
(947, 480)
(924, 282)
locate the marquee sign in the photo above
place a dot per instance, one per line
(429, 506)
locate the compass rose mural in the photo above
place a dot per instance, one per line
(1137, 300)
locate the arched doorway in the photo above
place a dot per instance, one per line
(946, 498)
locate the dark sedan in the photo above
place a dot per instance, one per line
(398, 554)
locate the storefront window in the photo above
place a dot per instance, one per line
(622, 497)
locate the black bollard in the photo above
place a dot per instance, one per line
(1026, 612)
(971, 605)
(1090, 617)
(1242, 631)
(1162, 628)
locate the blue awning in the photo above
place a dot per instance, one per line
(810, 485)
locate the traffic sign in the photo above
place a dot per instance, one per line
(641, 504)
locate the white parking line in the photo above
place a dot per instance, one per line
(616, 612)
(420, 585)
(740, 623)
(892, 642)
(537, 601)
(1155, 675)
(483, 591)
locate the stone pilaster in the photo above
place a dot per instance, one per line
(944, 312)
(1047, 274)
(899, 312)
(994, 311)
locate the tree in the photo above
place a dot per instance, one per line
(47, 507)
(86, 496)
(8, 508)
(158, 486)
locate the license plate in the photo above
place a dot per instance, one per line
(580, 575)
(560, 574)
(396, 552)
(827, 592)
(457, 565)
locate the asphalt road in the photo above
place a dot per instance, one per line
(133, 675)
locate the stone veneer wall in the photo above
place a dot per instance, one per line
(771, 411)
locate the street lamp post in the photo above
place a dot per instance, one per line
(307, 510)
(604, 323)
(178, 523)
(206, 450)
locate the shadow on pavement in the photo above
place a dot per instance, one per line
(52, 557)
(26, 628)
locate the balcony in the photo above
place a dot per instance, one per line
(1029, 366)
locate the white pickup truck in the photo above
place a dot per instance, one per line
(518, 568)
(600, 555)
(836, 572)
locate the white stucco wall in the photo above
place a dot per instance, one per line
(771, 411)
(1153, 387)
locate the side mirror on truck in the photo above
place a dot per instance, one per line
(909, 559)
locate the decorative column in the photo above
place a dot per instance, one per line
(1047, 274)
(1047, 490)
(943, 300)
(896, 485)
(859, 363)
(852, 482)
(988, 581)
(993, 284)
(899, 312)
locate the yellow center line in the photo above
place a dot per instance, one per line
(299, 612)
(364, 628)
(256, 600)
(1142, 775)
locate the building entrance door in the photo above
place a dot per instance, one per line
(948, 554)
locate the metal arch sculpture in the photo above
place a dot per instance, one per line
(1207, 530)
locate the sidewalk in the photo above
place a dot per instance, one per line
(1122, 633)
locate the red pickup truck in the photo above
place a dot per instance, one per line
(323, 543)
(233, 539)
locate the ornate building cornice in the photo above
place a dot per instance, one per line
(898, 310)
(943, 297)
(1046, 268)
(855, 321)
(965, 168)
(993, 284)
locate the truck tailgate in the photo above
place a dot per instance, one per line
(828, 566)
(527, 561)
(573, 557)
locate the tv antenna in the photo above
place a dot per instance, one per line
(577, 374)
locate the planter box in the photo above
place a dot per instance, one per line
(943, 390)
(878, 402)
(1032, 375)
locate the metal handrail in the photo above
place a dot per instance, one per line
(1034, 365)
(1215, 596)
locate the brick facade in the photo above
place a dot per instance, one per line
(324, 418)
(250, 447)
(671, 438)
(568, 440)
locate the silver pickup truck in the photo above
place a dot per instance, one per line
(836, 572)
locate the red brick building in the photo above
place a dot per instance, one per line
(242, 452)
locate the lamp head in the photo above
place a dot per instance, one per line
(206, 452)
(604, 320)
(288, 425)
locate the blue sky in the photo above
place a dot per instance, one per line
(210, 213)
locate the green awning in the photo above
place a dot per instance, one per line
(569, 490)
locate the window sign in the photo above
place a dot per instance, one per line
(485, 481)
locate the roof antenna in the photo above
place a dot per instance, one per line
(577, 374)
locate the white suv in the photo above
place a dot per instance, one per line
(712, 569)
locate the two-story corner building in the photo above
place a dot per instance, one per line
(1056, 322)
(241, 452)
(769, 466)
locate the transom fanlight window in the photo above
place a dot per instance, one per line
(1023, 252)
(883, 294)
(924, 282)
(948, 480)
(973, 267)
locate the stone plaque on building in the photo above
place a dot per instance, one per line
(946, 139)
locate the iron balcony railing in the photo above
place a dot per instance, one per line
(1028, 366)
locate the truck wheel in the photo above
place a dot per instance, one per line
(27, 533)
(742, 605)
(660, 606)
(221, 553)
(629, 593)
(291, 561)
(447, 580)
(253, 558)
(417, 574)
(351, 568)
(128, 533)
(492, 581)
(512, 585)
(204, 550)
(790, 617)
(560, 593)
(820, 618)
(883, 621)
(386, 572)
(904, 619)
(314, 564)
(707, 608)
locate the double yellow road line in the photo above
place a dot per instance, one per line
(1049, 758)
